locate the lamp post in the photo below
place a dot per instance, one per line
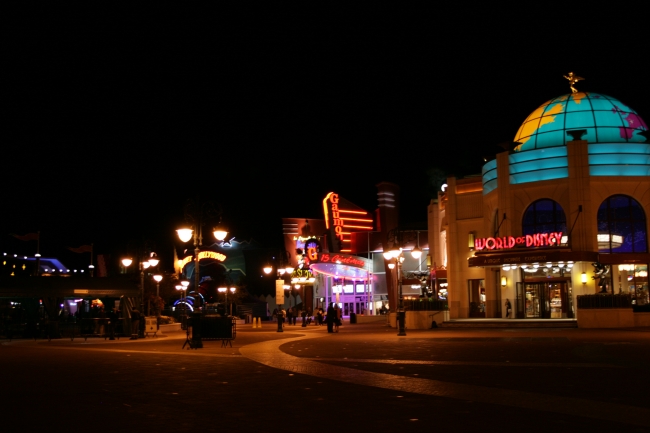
(280, 286)
(157, 278)
(183, 288)
(195, 214)
(395, 258)
(225, 290)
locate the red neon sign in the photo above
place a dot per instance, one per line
(342, 259)
(507, 242)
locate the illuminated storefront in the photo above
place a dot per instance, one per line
(562, 213)
(343, 255)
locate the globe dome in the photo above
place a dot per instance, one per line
(605, 120)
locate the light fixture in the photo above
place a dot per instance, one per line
(504, 281)
(158, 278)
(153, 260)
(470, 241)
(416, 252)
(267, 269)
(185, 234)
(583, 278)
(391, 265)
(127, 262)
(220, 232)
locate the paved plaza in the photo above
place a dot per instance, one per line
(304, 379)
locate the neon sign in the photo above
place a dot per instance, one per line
(508, 242)
(342, 218)
(342, 259)
(204, 255)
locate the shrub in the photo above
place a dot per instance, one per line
(166, 320)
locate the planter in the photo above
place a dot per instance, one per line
(606, 318)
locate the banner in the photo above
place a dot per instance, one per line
(82, 249)
(279, 292)
(27, 237)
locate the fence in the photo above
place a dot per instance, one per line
(425, 304)
(604, 301)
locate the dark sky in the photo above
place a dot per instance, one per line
(114, 118)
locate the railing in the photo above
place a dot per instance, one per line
(425, 304)
(604, 300)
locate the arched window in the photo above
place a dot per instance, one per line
(544, 216)
(621, 226)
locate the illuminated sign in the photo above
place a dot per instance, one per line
(341, 259)
(507, 242)
(342, 218)
(203, 255)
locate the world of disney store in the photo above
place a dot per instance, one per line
(560, 214)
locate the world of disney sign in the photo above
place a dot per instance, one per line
(508, 242)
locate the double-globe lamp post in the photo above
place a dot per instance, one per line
(186, 234)
(395, 257)
(281, 272)
(225, 290)
(182, 287)
(151, 261)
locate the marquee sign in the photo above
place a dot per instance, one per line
(204, 255)
(341, 259)
(508, 242)
(341, 219)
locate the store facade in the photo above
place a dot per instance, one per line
(340, 256)
(562, 213)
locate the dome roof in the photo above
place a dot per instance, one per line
(606, 120)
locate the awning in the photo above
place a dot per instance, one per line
(339, 271)
(528, 256)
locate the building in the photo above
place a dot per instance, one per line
(563, 212)
(339, 258)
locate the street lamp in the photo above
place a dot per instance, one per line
(182, 287)
(194, 215)
(158, 278)
(395, 258)
(126, 262)
(280, 285)
(225, 290)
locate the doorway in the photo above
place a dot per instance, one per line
(548, 299)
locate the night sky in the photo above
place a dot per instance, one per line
(114, 118)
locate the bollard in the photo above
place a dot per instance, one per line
(259, 322)
(254, 322)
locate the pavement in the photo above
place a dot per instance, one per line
(363, 377)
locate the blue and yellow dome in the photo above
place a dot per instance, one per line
(606, 120)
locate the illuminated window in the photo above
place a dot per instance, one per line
(544, 216)
(621, 226)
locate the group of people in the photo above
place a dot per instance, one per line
(331, 317)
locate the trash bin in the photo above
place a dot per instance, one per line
(353, 318)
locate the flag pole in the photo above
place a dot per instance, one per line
(91, 267)
(38, 253)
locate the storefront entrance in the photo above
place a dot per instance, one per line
(547, 299)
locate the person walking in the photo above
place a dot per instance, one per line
(330, 318)
(508, 308)
(339, 315)
(304, 317)
(290, 316)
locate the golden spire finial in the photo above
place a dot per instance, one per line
(572, 80)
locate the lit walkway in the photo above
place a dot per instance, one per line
(269, 353)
